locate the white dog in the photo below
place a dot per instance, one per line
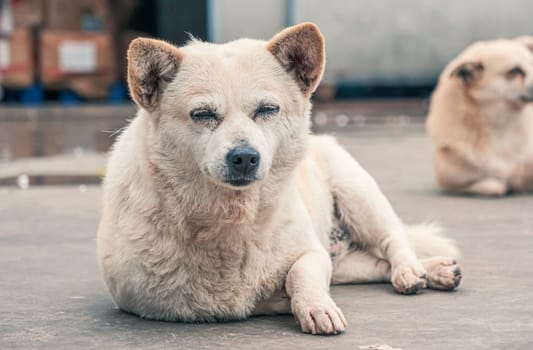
(219, 204)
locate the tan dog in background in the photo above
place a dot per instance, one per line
(481, 119)
(219, 204)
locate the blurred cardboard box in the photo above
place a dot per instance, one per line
(85, 15)
(17, 59)
(28, 13)
(82, 62)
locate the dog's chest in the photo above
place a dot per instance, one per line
(236, 277)
(220, 275)
(506, 151)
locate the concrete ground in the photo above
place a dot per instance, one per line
(52, 297)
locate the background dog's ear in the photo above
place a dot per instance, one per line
(152, 64)
(300, 50)
(527, 41)
(468, 72)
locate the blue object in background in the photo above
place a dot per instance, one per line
(90, 22)
(118, 93)
(69, 98)
(32, 95)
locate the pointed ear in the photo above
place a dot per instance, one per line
(527, 41)
(301, 51)
(468, 72)
(152, 64)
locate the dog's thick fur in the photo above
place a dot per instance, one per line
(481, 119)
(178, 242)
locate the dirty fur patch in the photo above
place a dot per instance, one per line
(340, 238)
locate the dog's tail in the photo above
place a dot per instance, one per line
(427, 240)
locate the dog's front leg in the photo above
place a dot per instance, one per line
(307, 285)
(377, 226)
(370, 217)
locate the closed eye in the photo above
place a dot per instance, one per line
(515, 72)
(203, 114)
(266, 110)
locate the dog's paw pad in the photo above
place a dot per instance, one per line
(409, 279)
(322, 317)
(443, 273)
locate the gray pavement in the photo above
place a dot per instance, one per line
(52, 297)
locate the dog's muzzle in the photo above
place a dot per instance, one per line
(529, 97)
(242, 163)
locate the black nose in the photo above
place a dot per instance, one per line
(242, 162)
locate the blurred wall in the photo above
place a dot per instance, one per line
(233, 19)
(408, 41)
(386, 42)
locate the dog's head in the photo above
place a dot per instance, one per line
(237, 112)
(497, 71)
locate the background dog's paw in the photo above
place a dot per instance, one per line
(409, 278)
(488, 187)
(319, 315)
(443, 273)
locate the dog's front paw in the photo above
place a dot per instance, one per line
(318, 315)
(443, 273)
(409, 278)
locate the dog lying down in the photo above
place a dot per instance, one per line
(481, 119)
(219, 204)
